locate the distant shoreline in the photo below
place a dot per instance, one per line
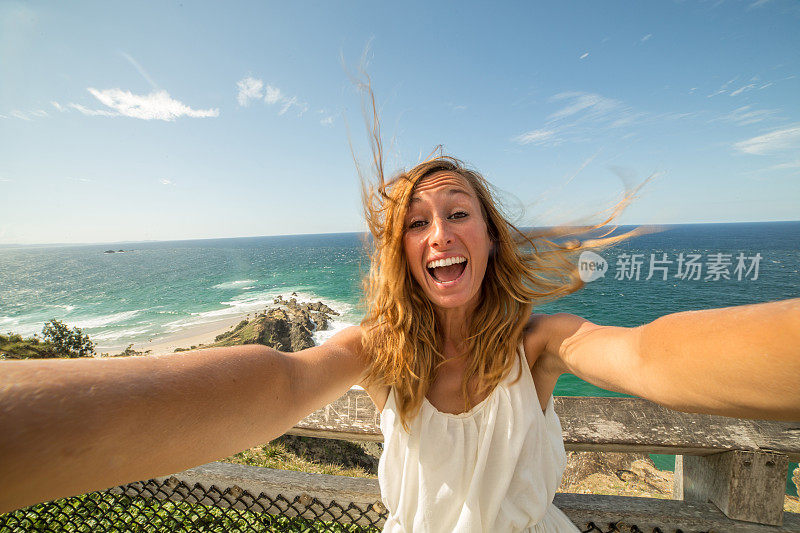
(185, 338)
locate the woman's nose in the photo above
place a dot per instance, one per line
(440, 233)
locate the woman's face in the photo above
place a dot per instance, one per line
(444, 222)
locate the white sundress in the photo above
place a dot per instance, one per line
(495, 468)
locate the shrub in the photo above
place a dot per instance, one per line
(70, 342)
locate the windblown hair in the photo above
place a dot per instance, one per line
(401, 335)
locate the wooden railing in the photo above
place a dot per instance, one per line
(730, 473)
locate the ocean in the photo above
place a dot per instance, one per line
(153, 289)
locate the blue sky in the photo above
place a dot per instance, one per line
(158, 120)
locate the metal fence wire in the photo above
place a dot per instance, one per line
(171, 505)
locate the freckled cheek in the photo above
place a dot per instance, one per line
(413, 256)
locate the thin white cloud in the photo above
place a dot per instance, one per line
(724, 88)
(758, 3)
(92, 112)
(754, 83)
(772, 142)
(158, 105)
(582, 117)
(286, 103)
(20, 115)
(327, 121)
(585, 55)
(589, 102)
(140, 69)
(58, 106)
(746, 115)
(6, 180)
(40, 113)
(273, 95)
(744, 88)
(249, 89)
(646, 38)
(785, 166)
(534, 137)
(164, 181)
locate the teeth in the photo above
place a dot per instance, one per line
(446, 262)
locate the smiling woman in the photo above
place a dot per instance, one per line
(448, 299)
(452, 279)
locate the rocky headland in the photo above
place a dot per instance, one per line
(287, 326)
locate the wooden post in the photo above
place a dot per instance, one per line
(745, 485)
(677, 480)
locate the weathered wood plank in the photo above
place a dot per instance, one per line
(635, 424)
(669, 516)
(595, 424)
(744, 485)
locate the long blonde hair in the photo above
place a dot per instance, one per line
(401, 335)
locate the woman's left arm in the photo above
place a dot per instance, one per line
(741, 361)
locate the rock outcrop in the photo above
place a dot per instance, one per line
(612, 473)
(287, 326)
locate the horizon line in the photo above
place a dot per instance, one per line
(148, 241)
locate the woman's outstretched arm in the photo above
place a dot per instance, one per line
(741, 361)
(69, 426)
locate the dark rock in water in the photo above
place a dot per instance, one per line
(109, 252)
(321, 320)
(287, 327)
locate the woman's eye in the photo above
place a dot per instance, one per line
(414, 224)
(462, 213)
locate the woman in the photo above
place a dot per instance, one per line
(449, 352)
(461, 368)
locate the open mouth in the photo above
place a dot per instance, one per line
(449, 273)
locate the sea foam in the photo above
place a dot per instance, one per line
(234, 284)
(104, 320)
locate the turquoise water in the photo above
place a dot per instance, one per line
(157, 288)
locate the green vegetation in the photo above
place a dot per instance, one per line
(71, 342)
(57, 341)
(13, 346)
(245, 332)
(98, 511)
(307, 454)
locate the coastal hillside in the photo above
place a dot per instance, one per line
(287, 326)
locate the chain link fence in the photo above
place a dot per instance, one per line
(171, 505)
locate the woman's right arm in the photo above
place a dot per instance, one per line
(69, 426)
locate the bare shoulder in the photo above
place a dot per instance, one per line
(545, 336)
(348, 339)
(346, 346)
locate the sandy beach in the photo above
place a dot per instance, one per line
(185, 338)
